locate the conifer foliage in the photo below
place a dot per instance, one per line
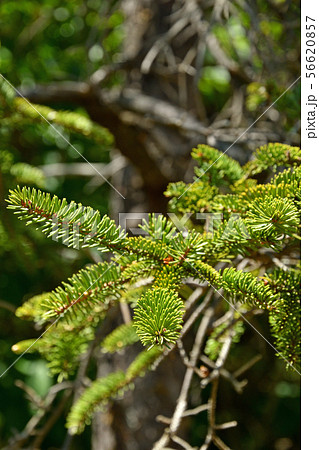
(251, 225)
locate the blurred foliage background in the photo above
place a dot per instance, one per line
(218, 71)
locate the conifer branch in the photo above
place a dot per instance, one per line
(71, 222)
(119, 338)
(158, 316)
(105, 389)
(271, 156)
(260, 221)
(72, 121)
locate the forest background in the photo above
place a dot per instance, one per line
(162, 78)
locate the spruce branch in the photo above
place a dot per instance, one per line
(273, 217)
(100, 282)
(107, 388)
(217, 167)
(33, 309)
(119, 338)
(246, 287)
(77, 225)
(72, 222)
(26, 174)
(152, 274)
(72, 121)
(158, 317)
(143, 362)
(61, 347)
(93, 399)
(285, 323)
(199, 199)
(272, 156)
(159, 227)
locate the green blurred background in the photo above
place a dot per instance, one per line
(54, 41)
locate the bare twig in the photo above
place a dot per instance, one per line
(247, 366)
(237, 385)
(214, 379)
(197, 313)
(160, 44)
(189, 323)
(187, 413)
(182, 353)
(79, 381)
(182, 443)
(31, 394)
(126, 313)
(219, 443)
(7, 305)
(226, 425)
(44, 405)
(195, 295)
(221, 359)
(83, 169)
(56, 413)
(182, 399)
(223, 319)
